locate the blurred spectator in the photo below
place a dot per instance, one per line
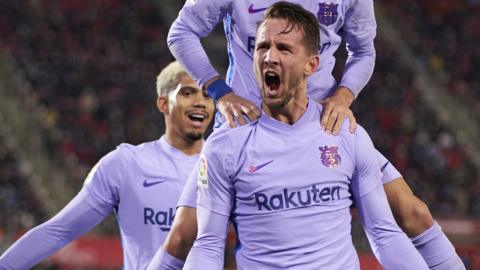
(445, 34)
(93, 65)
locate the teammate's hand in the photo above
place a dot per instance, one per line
(234, 107)
(335, 109)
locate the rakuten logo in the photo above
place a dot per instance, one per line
(287, 199)
(162, 218)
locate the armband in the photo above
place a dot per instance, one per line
(218, 89)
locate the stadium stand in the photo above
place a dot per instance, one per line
(446, 34)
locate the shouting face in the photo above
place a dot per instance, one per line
(281, 62)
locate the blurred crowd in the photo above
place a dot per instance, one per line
(19, 206)
(445, 35)
(93, 65)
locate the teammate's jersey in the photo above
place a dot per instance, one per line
(288, 190)
(142, 184)
(351, 20)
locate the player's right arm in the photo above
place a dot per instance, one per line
(214, 204)
(88, 208)
(196, 20)
(208, 250)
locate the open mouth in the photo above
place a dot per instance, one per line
(197, 117)
(272, 80)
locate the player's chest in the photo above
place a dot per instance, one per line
(296, 166)
(149, 201)
(160, 180)
(151, 189)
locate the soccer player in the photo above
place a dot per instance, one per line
(350, 20)
(141, 184)
(284, 182)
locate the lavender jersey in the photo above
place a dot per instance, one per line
(141, 184)
(288, 190)
(188, 198)
(350, 20)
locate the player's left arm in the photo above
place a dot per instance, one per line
(389, 243)
(77, 218)
(359, 31)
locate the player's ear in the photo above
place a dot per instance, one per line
(162, 104)
(312, 65)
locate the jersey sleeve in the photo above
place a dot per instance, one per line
(196, 20)
(215, 200)
(208, 250)
(188, 198)
(389, 172)
(103, 183)
(215, 188)
(75, 219)
(367, 174)
(389, 243)
(359, 31)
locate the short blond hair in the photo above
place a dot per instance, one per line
(169, 78)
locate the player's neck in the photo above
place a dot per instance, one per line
(182, 143)
(291, 112)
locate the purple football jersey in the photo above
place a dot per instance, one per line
(143, 184)
(288, 190)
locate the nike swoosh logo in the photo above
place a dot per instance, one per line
(252, 10)
(253, 169)
(149, 184)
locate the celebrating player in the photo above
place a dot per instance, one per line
(350, 20)
(140, 183)
(285, 183)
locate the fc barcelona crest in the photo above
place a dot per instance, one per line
(327, 13)
(330, 156)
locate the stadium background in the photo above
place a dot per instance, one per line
(77, 78)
